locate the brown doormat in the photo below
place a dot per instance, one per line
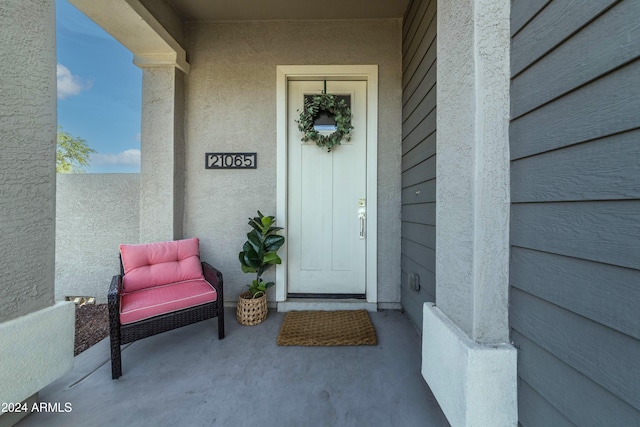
(327, 328)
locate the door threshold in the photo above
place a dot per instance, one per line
(323, 304)
(327, 296)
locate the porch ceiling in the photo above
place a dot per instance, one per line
(247, 10)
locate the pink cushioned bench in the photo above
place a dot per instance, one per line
(161, 286)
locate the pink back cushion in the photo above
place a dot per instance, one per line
(154, 264)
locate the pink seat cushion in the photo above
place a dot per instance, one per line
(146, 303)
(153, 264)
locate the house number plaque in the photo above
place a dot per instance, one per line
(230, 160)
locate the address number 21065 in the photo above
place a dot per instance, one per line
(230, 160)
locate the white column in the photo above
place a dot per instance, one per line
(36, 335)
(162, 153)
(473, 166)
(467, 359)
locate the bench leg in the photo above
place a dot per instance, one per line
(116, 364)
(221, 324)
(114, 338)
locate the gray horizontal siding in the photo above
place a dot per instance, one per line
(534, 409)
(425, 107)
(420, 193)
(427, 277)
(425, 149)
(603, 293)
(584, 57)
(575, 192)
(424, 16)
(579, 116)
(559, 20)
(422, 213)
(421, 234)
(605, 232)
(423, 171)
(605, 356)
(418, 134)
(422, 41)
(604, 169)
(409, 17)
(421, 83)
(422, 255)
(419, 155)
(562, 392)
(522, 11)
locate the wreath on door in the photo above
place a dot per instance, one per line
(341, 113)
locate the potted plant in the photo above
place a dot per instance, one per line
(257, 256)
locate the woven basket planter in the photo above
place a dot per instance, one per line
(251, 310)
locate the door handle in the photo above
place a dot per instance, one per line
(362, 218)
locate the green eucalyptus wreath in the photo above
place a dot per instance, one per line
(330, 103)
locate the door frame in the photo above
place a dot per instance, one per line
(368, 73)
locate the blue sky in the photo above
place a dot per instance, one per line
(99, 91)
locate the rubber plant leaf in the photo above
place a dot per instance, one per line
(272, 258)
(256, 224)
(255, 240)
(246, 269)
(266, 222)
(251, 259)
(274, 230)
(273, 243)
(268, 285)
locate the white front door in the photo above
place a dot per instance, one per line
(326, 199)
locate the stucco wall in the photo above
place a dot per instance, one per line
(231, 106)
(27, 167)
(95, 213)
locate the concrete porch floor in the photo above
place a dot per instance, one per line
(188, 377)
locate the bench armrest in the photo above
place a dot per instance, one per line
(113, 297)
(214, 276)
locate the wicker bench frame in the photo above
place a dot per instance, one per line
(123, 334)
